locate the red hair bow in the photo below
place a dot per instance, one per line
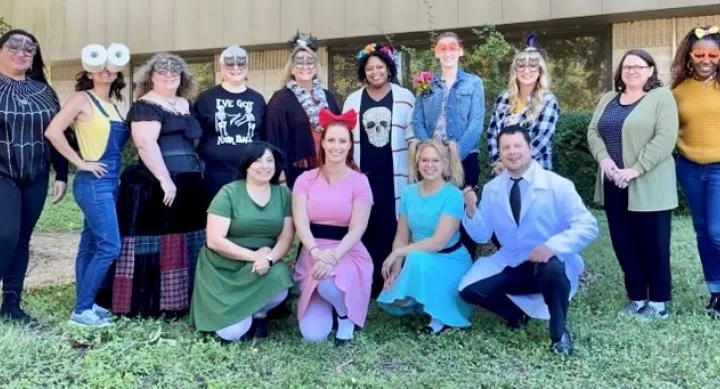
(348, 118)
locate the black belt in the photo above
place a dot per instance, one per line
(452, 248)
(324, 231)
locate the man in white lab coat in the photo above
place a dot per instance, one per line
(542, 225)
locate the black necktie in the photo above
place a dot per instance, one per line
(515, 205)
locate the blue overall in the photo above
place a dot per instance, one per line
(96, 197)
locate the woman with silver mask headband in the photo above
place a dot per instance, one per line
(527, 102)
(27, 105)
(161, 210)
(231, 116)
(293, 123)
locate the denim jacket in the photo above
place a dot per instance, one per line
(464, 113)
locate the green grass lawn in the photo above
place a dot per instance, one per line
(681, 352)
(62, 217)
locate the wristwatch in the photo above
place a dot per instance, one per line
(270, 260)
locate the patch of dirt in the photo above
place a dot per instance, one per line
(52, 259)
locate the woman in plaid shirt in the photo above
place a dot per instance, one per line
(527, 102)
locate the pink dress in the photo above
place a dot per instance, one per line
(331, 204)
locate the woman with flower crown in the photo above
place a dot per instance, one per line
(380, 136)
(452, 109)
(293, 123)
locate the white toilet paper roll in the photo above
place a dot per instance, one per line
(93, 58)
(118, 55)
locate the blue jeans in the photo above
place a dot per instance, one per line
(100, 238)
(701, 185)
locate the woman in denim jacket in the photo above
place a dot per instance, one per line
(453, 109)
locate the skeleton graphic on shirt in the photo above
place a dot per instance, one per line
(377, 122)
(234, 114)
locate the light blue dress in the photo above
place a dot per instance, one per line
(431, 279)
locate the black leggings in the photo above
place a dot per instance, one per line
(21, 204)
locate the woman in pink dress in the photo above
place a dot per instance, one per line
(331, 207)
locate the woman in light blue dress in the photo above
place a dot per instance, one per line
(428, 260)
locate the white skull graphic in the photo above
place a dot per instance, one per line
(377, 125)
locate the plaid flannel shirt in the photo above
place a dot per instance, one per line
(541, 130)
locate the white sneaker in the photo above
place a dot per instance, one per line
(101, 312)
(88, 319)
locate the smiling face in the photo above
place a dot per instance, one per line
(16, 55)
(166, 75)
(105, 77)
(527, 68)
(448, 51)
(431, 164)
(376, 72)
(304, 66)
(704, 58)
(515, 152)
(234, 70)
(263, 169)
(336, 144)
(635, 72)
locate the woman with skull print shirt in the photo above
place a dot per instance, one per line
(380, 137)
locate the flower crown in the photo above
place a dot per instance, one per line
(303, 41)
(372, 47)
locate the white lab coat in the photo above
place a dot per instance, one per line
(552, 213)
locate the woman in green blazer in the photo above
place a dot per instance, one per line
(632, 135)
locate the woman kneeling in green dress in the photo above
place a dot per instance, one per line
(240, 272)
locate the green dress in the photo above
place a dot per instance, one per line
(226, 290)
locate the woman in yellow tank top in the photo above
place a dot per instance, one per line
(101, 135)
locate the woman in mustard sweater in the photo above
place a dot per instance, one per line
(696, 86)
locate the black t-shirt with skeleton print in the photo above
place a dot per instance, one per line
(229, 121)
(376, 149)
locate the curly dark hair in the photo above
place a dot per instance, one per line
(681, 68)
(254, 151)
(83, 83)
(652, 82)
(363, 60)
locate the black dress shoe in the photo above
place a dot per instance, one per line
(564, 345)
(427, 330)
(518, 324)
(261, 329)
(11, 310)
(342, 342)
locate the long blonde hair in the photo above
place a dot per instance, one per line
(450, 153)
(537, 96)
(287, 72)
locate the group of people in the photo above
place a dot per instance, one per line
(382, 194)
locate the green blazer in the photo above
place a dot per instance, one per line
(649, 135)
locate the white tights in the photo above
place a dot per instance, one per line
(317, 322)
(235, 331)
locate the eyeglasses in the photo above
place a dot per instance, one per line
(309, 62)
(169, 68)
(634, 68)
(17, 45)
(445, 47)
(712, 54)
(531, 64)
(240, 63)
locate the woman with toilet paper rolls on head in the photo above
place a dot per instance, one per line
(161, 207)
(101, 133)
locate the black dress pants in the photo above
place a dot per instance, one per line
(641, 241)
(527, 278)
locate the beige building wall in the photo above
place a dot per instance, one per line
(146, 26)
(660, 37)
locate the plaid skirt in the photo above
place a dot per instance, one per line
(155, 272)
